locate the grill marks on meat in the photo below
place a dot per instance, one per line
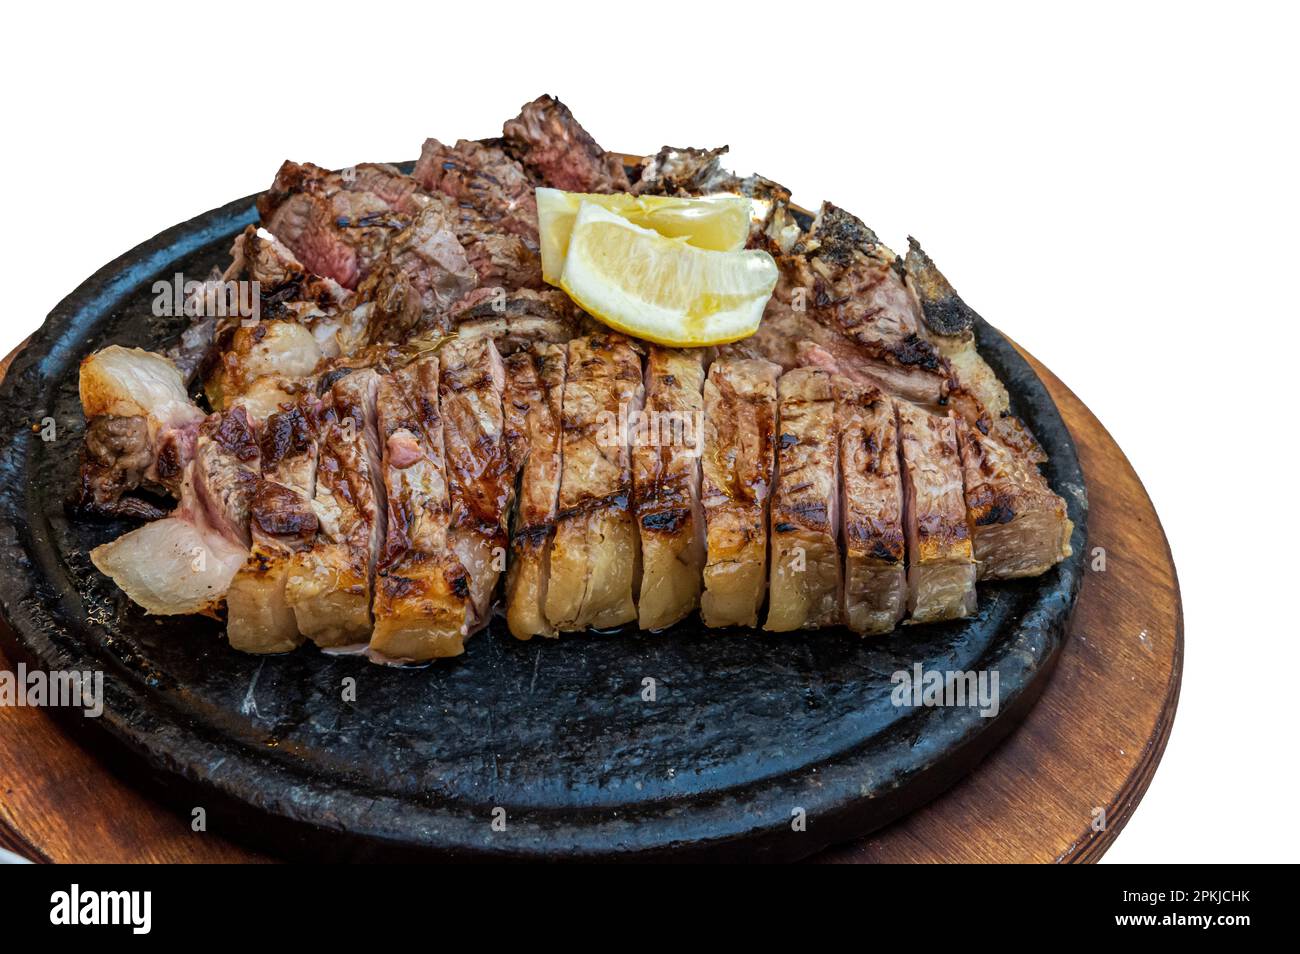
(369, 440)
(421, 604)
(740, 409)
(492, 209)
(533, 407)
(479, 478)
(875, 578)
(482, 178)
(330, 582)
(595, 557)
(666, 477)
(806, 581)
(559, 152)
(941, 564)
(282, 523)
(517, 320)
(1020, 526)
(423, 273)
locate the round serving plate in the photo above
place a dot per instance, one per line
(685, 744)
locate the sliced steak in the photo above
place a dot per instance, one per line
(517, 320)
(479, 479)
(940, 560)
(533, 406)
(184, 563)
(282, 523)
(806, 579)
(559, 152)
(330, 583)
(335, 229)
(978, 395)
(141, 428)
(595, 556)
(667, 444)
(875, 567)
(421, 604)
(483, 178)
(1020, 526)
(740, 408)
(424, 272)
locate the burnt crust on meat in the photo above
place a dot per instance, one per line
(943, 309)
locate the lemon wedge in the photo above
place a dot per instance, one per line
(717, 222)
(663, 289)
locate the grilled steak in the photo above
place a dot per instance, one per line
(335, 231)
(421, 604)
(410, 405)
(940, 561)
(141, 429)
(330, 582)
(533, 406)
(737, 465)
(666, 477)
(282, 523)
(494, 214)
(875, 576)
(184, 563)
(1020, 526)
(423, 273)
(517, 320)
(806, 580)
(559, 152)
(479, 478)
(482, 178)
(595, 557)
(252, 353)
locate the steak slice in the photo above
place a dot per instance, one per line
(978, 395)
(533, 406)
(940, 560)
(1020, 526)
(737, 475)
(184, 563)
(421, 604)
(666, 480)
(806, 582)
(481, 177)
(559, 152)
(282, 523)
(594, 556)
(423, 273)
(479, 479)
(517, 320)
(494, 212)
(875, 574)
(330, 583)
(141, 428)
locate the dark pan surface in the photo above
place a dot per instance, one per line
(745, 728)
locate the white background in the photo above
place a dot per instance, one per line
(1114, 187)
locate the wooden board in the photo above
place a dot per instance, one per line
(1089, 747)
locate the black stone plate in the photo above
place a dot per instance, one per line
(744, 730)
